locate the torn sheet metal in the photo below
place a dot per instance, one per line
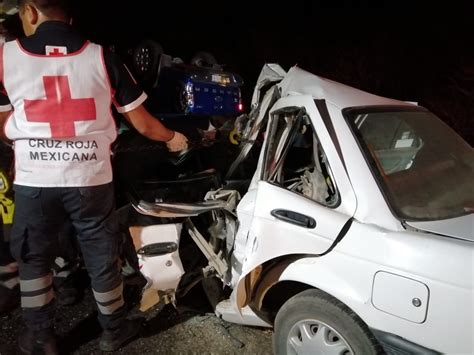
(270, 73)
(254, 123)
(173, 210)
(163, 272)
(225, 221)
(230, 198)
(216, 261)
(249, 126)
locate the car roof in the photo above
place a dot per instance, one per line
(299, 81)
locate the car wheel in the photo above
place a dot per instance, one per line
(146, 59)
(313, 322)
(203, 59)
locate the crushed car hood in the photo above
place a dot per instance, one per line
(460, 227)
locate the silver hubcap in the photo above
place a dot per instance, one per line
(311, 336)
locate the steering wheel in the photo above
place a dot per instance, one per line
(146, 59)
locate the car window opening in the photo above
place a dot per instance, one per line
(296, 160)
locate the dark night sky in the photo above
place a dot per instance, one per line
(399, 49)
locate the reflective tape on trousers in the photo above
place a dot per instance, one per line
(37, 301)
(111, 308)
(111, 295)
(36, 284)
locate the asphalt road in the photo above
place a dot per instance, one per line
(189, 329)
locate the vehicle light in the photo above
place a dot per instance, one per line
(240, 106)
(221, 79)
(187, 97)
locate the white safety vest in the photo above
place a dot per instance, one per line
(62, 124)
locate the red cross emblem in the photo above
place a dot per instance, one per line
(59, 109)
(55, 51)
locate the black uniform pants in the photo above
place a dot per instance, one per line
(40, 214)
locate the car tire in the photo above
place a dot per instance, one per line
(313, 322)
(203, 59)
(146, 59)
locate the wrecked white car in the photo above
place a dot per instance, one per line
(354, 236)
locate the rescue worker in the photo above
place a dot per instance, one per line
(61, 87)
(9, 283)
(65, 267)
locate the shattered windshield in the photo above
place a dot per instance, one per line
(425, 169)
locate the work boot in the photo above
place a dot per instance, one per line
(37, 342)
(113, 339)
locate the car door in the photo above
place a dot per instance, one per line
(304, 201)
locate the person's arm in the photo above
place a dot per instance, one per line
(128, 100)
(152, 128)
(147, 125)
